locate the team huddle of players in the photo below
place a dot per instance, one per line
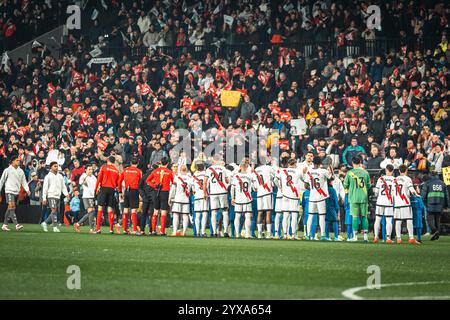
(288, 190)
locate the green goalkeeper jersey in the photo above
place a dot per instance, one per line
(357, 185)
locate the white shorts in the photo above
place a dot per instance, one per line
(404, 213)
(201, 205)
(265, 203)
(290, 205)
(278, 204)
(181, 208)
(219, 201)
(318, 207)
(243, 208)
(384, 211)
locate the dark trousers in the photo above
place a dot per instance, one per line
(434, 221)
(147, 212)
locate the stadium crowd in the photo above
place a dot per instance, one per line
(389, 108)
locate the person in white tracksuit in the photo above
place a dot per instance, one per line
(53, 187)
(12, 179)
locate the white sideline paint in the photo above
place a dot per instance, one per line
(351, 293)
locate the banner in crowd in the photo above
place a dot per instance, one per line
(102, 60)
(230, 98)
(298, 127)
(446, 175)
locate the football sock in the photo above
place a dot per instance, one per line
(204, 217)
(226, 221)
(111, 220)
(383, 228)
(163, 224)
(214, 221)
(286, 216)
(248, 224)
(376, 227)
(294, 221)
(410, 227)
(398, 229)
(327, 229)
(277, 223)
(125, 222)
(154, 221)
(185, 222)
(365, 223)
(314, 225)
(322, 224)
(99, 219)
(419, 234)
(197, 222)
(309, 224)
(388, 227)
(175, 222)
(355, 224)
(365, 235)
(269, 229)
(349, 232)
(336, 229)
(134, 221)
(259, 226)
(237, 224)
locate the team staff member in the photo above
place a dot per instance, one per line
(107, 182)
(131, 176)
(161, 180)
(147, 194)
(13, 178)
(435, 196)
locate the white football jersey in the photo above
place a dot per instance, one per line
(290, 181)
(318, 181)
(181, 189)
(300, 167)
(217, 176)
(197, 184)
(242, 185)
(384, 190)
(403, 188)
(88, 184)
(264, 178)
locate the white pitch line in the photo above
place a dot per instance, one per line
(351, 293)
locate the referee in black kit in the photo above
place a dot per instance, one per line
(147, 193)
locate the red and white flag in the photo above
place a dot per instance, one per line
(144, 88)
(51, 89)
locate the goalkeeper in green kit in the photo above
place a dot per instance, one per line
(357, 185)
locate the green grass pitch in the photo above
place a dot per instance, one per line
(33, 265)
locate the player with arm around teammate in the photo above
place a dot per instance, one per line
(318, 179)
(216, 188)
(201, 205)
(242, 184)
(264, 176)
(290, 181)
(179, 195)
(357, 185)
(384, 190)
(404, 189)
